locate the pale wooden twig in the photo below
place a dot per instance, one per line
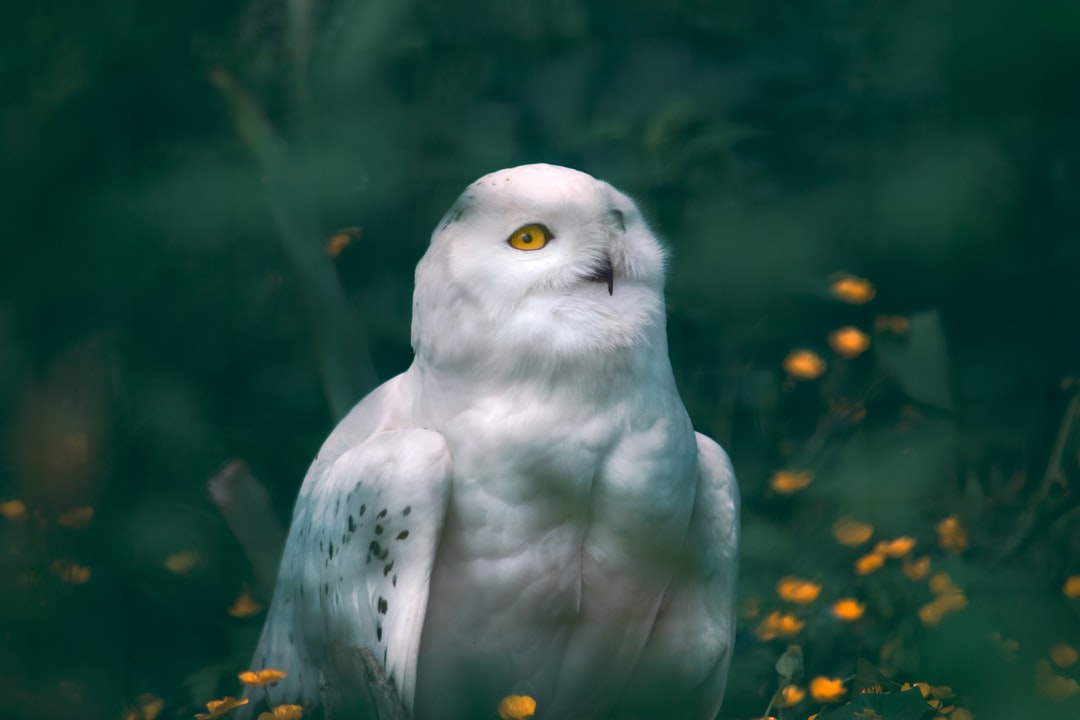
(245, 505)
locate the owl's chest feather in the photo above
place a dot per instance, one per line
(526, 468)
(543, 562)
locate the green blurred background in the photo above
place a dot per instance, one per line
(212, 211)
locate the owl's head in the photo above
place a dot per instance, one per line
(538, 262)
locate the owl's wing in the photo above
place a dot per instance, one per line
(358, 562)
(691, 642)
(714, 527)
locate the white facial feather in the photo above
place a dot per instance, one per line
(527, 509)
(505, 303)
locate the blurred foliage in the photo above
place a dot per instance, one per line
(213, 209)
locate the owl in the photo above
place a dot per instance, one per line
(526, 510)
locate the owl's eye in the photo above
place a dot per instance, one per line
(530, 237)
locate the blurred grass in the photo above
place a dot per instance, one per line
(155, 320)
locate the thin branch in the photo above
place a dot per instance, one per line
(1053, 477)
(245, 505)
(344, 361)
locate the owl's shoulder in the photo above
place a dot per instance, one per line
(387, 407)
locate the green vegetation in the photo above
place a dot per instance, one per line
(212, 211)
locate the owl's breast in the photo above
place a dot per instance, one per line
(547, 568)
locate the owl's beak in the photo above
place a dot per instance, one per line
(604, 272)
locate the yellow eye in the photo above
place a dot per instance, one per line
(530, 237)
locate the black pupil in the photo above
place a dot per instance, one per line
(526, 238)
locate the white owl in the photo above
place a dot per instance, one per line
(527, 509)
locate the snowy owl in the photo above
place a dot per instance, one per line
(527, 509)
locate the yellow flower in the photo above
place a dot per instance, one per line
(868, 563)
(790, 696)
(851, 289)
(1063, 655)
(804, 364)
(283, 712)
(942, 584)
(793, 589)
(897, 548)
(898, 324)
(924, 688)
(244, 605)
(778, 624)
(217, 708)
(849, 531)
(952, 535)
(182, 562)
(786, 482)
(917, 569)
(517, 707)
(827, 690)
(1072, 587)
(150, 705)
(848, 609)
(935, 611)
(261, 677)
(1053, 686)
(849, 341)
(13, 509)
(148, 708)
(77, 518)
(341, 240)
(70, 572)
(1009, 647)
(935, 692)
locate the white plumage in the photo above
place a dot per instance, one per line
(527, 509)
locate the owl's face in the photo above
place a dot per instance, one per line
(540, 260)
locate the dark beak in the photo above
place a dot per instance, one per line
(604, 273)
